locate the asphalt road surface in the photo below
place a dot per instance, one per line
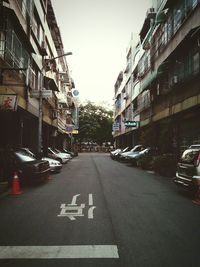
(99, 212)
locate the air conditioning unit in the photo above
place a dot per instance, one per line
(150, 12)
(65, 87)
(61, 77)
(44, 48)
(125, 96)
(60, 106)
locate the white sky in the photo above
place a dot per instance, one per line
(98, 33)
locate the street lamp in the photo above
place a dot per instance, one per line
(40, 101)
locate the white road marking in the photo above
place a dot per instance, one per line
(91, 213)
(90, 200)
(72, 210)
(73, 203)
(58, 252)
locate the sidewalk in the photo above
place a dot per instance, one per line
(4, 191)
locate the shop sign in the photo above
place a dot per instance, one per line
(8, 102)
(131, 123)
(115, 126)
(75, 131)
(45, 93)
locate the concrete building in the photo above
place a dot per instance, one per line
(31, 66)
(167, 76)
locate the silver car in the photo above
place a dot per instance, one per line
(188, 168)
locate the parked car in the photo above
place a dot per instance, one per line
(188, 169)
(61, 157)
(133, 151)
(195, 146)
(72, 153)
(64, 153)
(54, 165)
(134, 158)
(29, 169)
(117, 154)
(112, 153)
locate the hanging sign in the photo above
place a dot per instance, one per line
(8, 102)
(45, 93)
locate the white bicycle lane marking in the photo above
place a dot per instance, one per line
(73, 210)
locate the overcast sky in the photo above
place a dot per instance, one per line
(98, 33)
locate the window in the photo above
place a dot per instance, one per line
(195, 63)
(2, 44)
(177, 19)
(36, 27)
(169, 28)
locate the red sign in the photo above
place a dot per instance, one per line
(8, 102)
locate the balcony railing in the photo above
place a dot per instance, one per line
(13, 52)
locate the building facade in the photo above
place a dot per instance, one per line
(36, 100)
(166, 73)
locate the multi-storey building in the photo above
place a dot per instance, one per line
(167, 76)
(35, 84)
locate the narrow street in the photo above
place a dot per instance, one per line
(99, 212)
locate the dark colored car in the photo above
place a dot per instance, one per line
(29, 169)
(188, 169)
(54, 165)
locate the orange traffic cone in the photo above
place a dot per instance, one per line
(15, 185)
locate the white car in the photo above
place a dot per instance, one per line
(64, 153)
(54, 165)
(61, 157)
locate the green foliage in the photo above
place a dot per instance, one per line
(95, 124)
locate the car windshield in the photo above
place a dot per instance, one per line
(136, 148)
(144, 151)
(26, 151)
(190, 155)
(22, 156)
(56, 150)
(195, 146)
(53, 150)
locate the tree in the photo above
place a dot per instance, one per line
(95, 124)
